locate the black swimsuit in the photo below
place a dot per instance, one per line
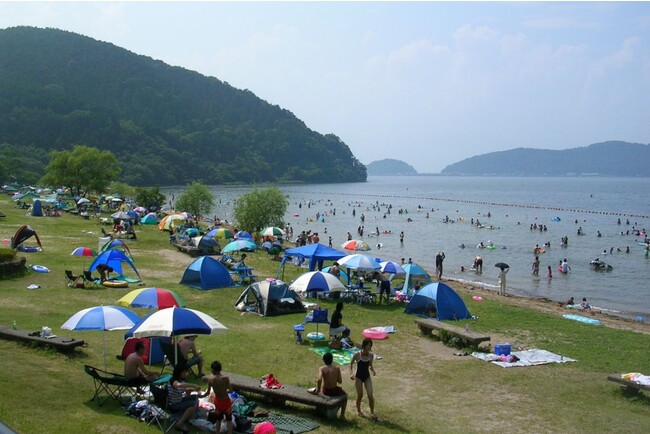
(363, 369)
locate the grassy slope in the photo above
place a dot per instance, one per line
(419, 388)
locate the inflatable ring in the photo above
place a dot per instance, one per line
(29, 249)
(316, 336)
(39, 268)
(375, 334)
(477, 298)
(116, 283)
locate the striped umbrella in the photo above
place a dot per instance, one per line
(151, 298)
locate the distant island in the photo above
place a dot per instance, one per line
(612, 158)
(390, 167)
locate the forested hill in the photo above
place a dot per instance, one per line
(611, 158)
(166, 125)
(390, 166)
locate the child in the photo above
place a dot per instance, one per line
(549, 273)
(585, 305)
(362, 377)
(220, 385)
(346, 342)
(329, 378)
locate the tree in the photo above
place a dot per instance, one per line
(198, 200)
(150, 198)
(122, 189)
(260, 208)
(84, 169)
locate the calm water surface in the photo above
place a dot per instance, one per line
(514, 204)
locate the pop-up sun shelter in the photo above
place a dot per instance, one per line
(23, 234)
(447, 304)
(113, 258)
(206, 273)
(270, 297)
(414, 274)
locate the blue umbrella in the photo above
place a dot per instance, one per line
(175, 321)
(237, 245)
(317, 281)
(391, 268)
(102, 318)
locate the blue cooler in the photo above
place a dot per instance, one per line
(500, 349)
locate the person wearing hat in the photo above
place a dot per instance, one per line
(187, 346)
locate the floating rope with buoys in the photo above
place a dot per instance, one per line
(477, 202)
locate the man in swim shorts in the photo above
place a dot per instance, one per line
(220, 386)
(329, 378)
(134, 369)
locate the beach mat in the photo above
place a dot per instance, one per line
(286, 424)
(126, 279)
(342, 357)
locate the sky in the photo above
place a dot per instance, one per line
(429, 83)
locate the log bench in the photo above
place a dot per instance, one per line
(428, 325)
(326, 405)
(628, 387)
(60, 343)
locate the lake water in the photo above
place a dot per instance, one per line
(514, 204)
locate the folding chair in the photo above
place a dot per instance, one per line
(173, 356)
(113, 385)
(91, 280)
(72, 279)
(160, 413)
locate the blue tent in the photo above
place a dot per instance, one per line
(135, 217)
(414, 275)
(447, 304)
(206, 273)
(37, 209)
(316, 253)
(113, 258)
(149, 219)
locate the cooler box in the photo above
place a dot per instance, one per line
(500, 349)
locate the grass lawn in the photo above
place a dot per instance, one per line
(420, 385)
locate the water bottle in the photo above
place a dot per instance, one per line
(14, 325)
(467, 327)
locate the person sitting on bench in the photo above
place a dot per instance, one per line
(134, 369)
(329, 378)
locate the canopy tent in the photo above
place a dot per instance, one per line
(440, 298)
(206, 273)
(414, 275)
(316, 253)
(23, 234)
(149, 219)
(270, 297)
(37, 209)
(113, 258)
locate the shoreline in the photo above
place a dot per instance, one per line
(546, 305)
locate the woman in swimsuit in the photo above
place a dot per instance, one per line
(362, 376)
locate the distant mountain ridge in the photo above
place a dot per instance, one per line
(390, 166)
(611, 158)
(166, 125)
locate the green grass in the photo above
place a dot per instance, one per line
(420, 386)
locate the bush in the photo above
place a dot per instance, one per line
(7, 255)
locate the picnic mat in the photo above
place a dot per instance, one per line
(285, 423)
(532, 357)
(342, 357)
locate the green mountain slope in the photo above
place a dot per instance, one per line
(165, 124)
(611, 158)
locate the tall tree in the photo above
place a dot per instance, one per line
(150, 198)
(260, 208)
(198, 200)
(84, 169)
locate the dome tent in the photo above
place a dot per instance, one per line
(447, 303)
(206, 273)
(270, 297)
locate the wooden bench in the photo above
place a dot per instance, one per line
(628, 387)
(428, 325)
(190, 250)
(60, 343)
(326, 405)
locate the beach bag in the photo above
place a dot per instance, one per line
(336, 345)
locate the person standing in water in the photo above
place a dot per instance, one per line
(502, 280)
(439, 258)
(361, 377)
(536, 266)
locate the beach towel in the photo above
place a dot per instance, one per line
(342, 357)
(126, 279)
(286, 424)
(531, 357)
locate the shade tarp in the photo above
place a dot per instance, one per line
(315, 253)
(23, 234)
(206, 273)
(447, 303)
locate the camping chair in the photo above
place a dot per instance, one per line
(160, 414)
(114, 385)
(72, 279)
(88, 277)
(173, 356)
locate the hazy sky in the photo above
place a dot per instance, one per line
(427, 82)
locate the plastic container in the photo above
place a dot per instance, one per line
(500, 349)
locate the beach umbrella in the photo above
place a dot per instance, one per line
(222, 233)
(140, 209)
(83, 251)
(272, 231)
(317, 281)
(82, 201)
(239, 235)
(359, 262)
(391, 267)
(237, 245)
(356, 245)
(501, 265)
(102, 318)
(151, 298)
(176, 321)
(121, 215)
